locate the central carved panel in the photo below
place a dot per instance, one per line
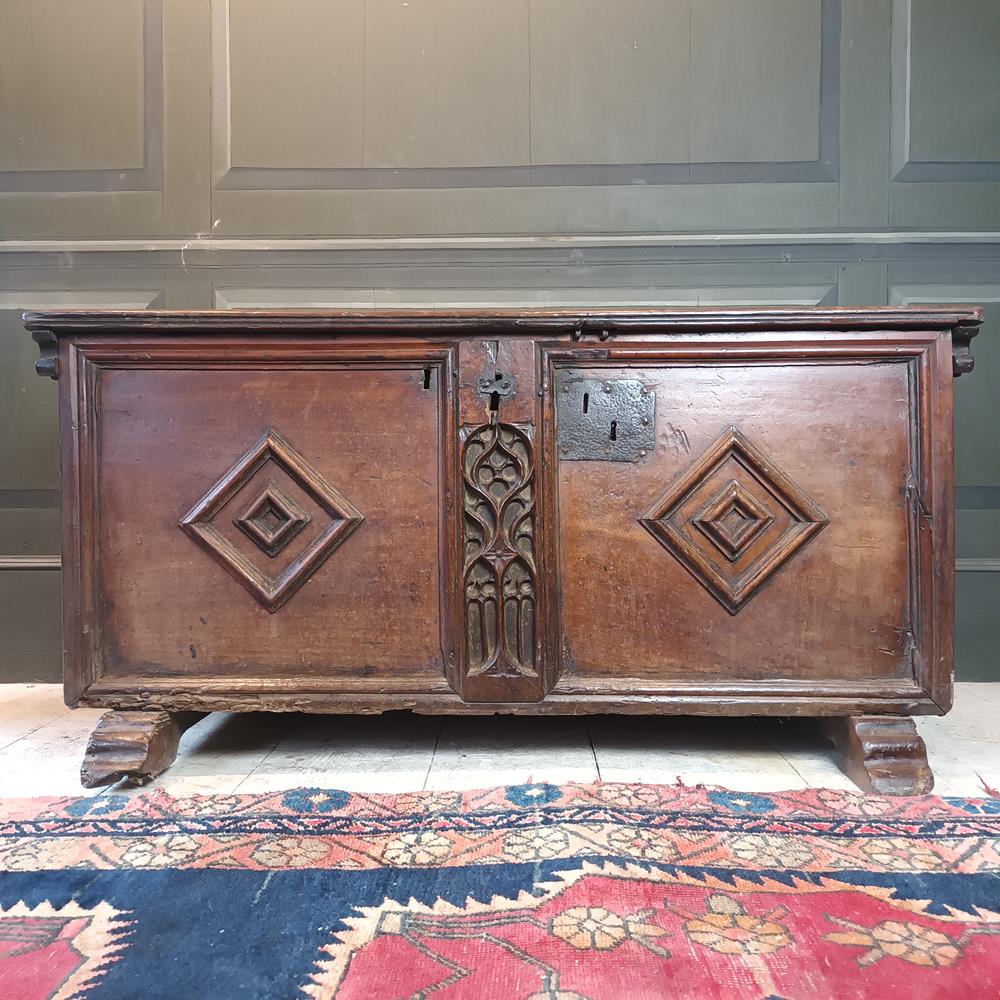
(272, 520)
(499, 573)
(268, 514)
(733, 519)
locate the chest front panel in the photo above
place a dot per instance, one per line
(530, 521)
(270, 523)
(765, 534)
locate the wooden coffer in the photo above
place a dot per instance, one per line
(635, 510)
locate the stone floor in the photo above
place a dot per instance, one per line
(42, 743)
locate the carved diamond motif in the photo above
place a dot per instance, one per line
(733, 519)
(271, 518)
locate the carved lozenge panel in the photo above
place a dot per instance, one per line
(270, 520)
(733, 519)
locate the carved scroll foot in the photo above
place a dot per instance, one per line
(882, 754)
(133, 745)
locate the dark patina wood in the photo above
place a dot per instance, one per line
(135, 746)
(881, 754)
(363, 511)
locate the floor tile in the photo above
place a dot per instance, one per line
(972, 780)
(179, 785)
(39, 694)
(972, 717)
(27, 772)
(46, 760)
(820, 772)
(65, 734)
(58, 781)
(230, 743)
(390, 753)
(514, 749)
(737, 753)
(19, 717)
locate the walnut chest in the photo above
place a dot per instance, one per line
(622, 510)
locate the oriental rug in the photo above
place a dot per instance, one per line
(533, 892)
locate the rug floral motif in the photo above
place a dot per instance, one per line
(536, 892)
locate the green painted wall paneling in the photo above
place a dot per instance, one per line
(186, 154)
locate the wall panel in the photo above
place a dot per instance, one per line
(464, 152)
(103, 118)
(610, 83)
(742, 110)
(290, 76)
(953, 105)
(945, 114)
(76, 110)
(446, 84)
(533, 116)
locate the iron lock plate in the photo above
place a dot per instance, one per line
(600, 420)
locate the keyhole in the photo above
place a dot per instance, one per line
(494, 401)
(427, 378)
(586, 401)
(614, 430)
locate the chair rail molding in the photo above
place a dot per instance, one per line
(885, 237)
